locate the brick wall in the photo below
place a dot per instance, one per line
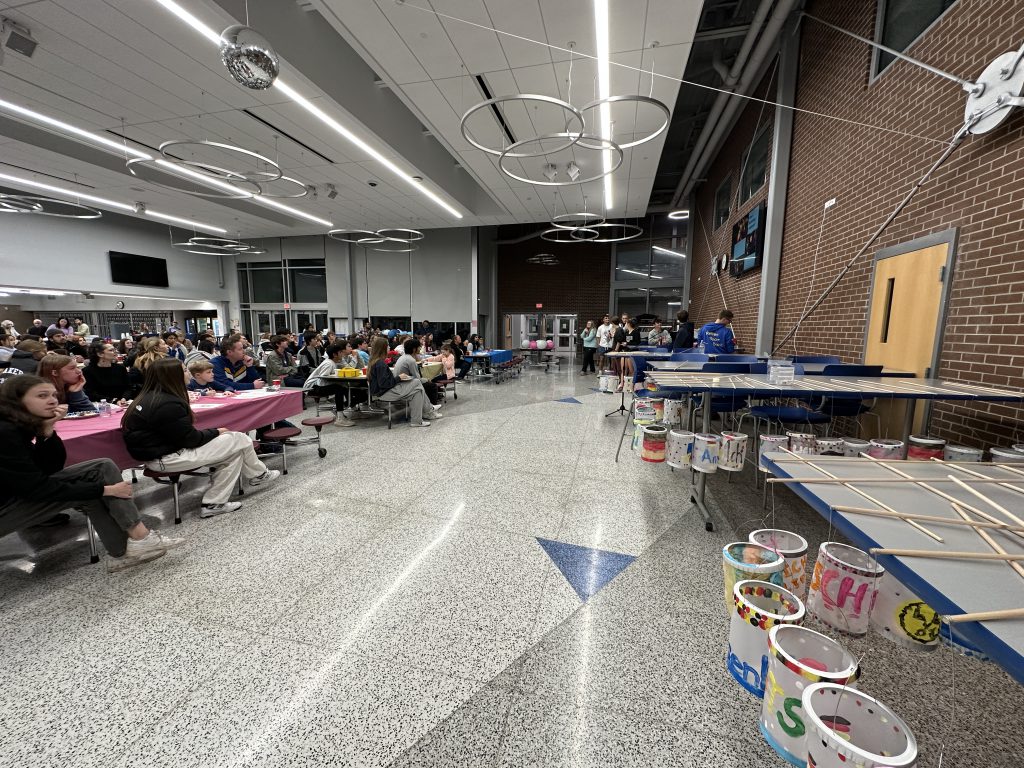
(980, 190)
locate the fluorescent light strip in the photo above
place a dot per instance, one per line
(151, 298)
(191, 20)
(96, 138)
(604, 91)
(34, 291)
(642, 274)
(670, 252)
(190, 223)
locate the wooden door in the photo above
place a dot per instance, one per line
(904, 318)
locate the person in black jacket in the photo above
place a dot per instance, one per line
(405, 388)
(105, 378)
(25, 358)
(158, 430)
(684, 334)
(34, 485)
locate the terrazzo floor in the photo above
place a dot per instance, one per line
(391, 605)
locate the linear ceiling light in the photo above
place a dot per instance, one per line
(603, 92)
(152, 298)
(60, 125)
(659, 249)
(33, 291)
(106, 203)
(642, 274)
(211, 35)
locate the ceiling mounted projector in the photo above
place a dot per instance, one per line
(17, 38)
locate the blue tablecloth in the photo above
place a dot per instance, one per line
(496, 356)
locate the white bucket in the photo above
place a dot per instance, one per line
(705, 453)
(679, 450)
(846, 727)
(732, 452)
(886, 449)
(793, 548)
(767, 444)
(829, 446)
(843, 587)
(854, 446)
(757, 607)
(903, 617)
(962, 453)
(801, 442)
(673, 412)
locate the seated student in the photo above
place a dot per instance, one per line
(447, 359)
(293, 346)
(174, 348)
(202, 381)
(324, 382)
(281, 363)
(362, 348)
(26, 356)
(401, 388)
(7, 343)
(126, 347)
(7, 326)
(64, 374)
(80, 327)
(233, 369)
(150, 349)
(205, 350)
(462, 362)
(349, 359)
(37, 329)
(56, 341)
(684, 332)
(34, 485)
(407, 364)
(717, 338)
(657, 336)
(105, 378)
(312, 353)
(158, 430)
(62, 324)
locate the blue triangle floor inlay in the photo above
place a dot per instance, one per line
(586, 569)
(569, 400)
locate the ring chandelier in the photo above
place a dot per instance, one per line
(46, 206)
(543, 259)
(218, 246)
(401, 238)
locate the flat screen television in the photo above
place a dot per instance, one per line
(748, 241)
(132, 269)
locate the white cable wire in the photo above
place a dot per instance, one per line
(810, 283)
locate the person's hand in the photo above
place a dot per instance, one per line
(120, 490)
(259, 384)
(249, 362)
(59, 413)
(222, 430)
(78, 385)
(122, 402)
(404, 376)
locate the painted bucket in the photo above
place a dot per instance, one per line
(673, 412)
(829, 446)
(846, 727)
(732, 452)
(654, 439)
(801, 442)
(679, 449)
(797, 657)
(854, 446)
(658, 403)
(643, 411)
(757, 607)
(1005, 456)
(767, 444)
(793, 548)
(705, 453)
(903, 617)
(604, 383)
(925, 448)
(886, 449)
(962, 453)
(742, 560)
(843, 587)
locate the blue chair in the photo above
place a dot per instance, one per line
(735, 358)
(723, 404)
(827, 359)
(697, 357)
(849, 407)
(842, 369)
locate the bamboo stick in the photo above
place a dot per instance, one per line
(929, 518)
(986, 499)
(974, 473)
(884, 480)
(996, 547)
(1007, 613)
(944, 554)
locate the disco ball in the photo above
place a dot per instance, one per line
(249, 57)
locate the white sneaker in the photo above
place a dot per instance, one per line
(267, 477)
(341, 421)
(437, 407)
(212, 510)
(170, 542)
(423, 423)
(138, 552)
(435, 415)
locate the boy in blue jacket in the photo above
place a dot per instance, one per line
(717, 338)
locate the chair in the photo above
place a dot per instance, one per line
(827, 359)
(281, 436)
(172, 479)
(316, 402)
(318, 423)
(442, 387)
(724, 403)
(695, 357)
(735, 358)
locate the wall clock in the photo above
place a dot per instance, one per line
(118, 305)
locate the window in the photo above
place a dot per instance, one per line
(308, 281)
(722, 199)
(664, 303)
(243, 285)
(632, 264)
(267, 286)
(631, 301)
(667, 264)
(755, 165)
(901, 22)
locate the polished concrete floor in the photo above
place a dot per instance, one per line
(492, 591)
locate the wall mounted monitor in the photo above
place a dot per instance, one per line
(132, 269)
(748, 241)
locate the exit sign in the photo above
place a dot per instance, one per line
(287, 306)
(540, 306)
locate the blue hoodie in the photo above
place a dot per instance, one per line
(716, 339)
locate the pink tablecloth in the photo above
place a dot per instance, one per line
(99, 437)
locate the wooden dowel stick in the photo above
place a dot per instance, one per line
(1008, 613)
(974, 473)
(996, 547)
(885, 480)
(944, 554)
(928, 518)
(986, 499)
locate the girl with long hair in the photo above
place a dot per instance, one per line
(159, 431)
(66, 377)
(105, 378)
(403, 388)
(149, 350)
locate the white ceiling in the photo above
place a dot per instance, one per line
(130, 66)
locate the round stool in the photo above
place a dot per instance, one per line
(318, 423)
(281, 435)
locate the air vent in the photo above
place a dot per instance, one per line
(494, 108)
(287, 135)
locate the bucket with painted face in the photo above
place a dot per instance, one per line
(653, 447)
(925, 448)
(843, 587)
(801, 442)
(658, 403)
(705, 453)
(767, 444)
(903, 617)
(679, 448)
(886, 449)
(757, 607)
(673, 412)
(1005, 456)
(743, 560)
(854, 446)
(732, 451)
(829, 446)
(798, 657)
(962, 453)
(846, 727)
(793, 548)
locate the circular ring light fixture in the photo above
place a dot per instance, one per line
(558, 235)
(679, 215)
(544, 259)
(221, 174)
(298, 189)
(608, 145)
(203, 250)
(404, 236)
(19, 204)
(356, 236)
(627, 98)
(249, 58)
(571, 137)
(47, 206)
(624, 228)
(218, 246)
(397, 248)
(138, 168)
(576, 220)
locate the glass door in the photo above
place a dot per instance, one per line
(565, 338)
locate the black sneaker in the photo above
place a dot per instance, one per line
(61, 518)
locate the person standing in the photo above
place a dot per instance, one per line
(717, 338)
(589, 338)
(605, 340)
(684, 332)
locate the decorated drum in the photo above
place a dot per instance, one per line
(793, 548)
(653, 449)
(679, 448)
(658, 403)
(757, 607)
(673, 412)
(962, 453)
(903, 617)
(829, 446)
(843, 587)
(797, 657)
(604, 383)
(925, 448)
(886, 449)
(846, 727)
(742, 560)
(767, 444)
(854, 446)
(732, 451)
(705, 453)
(801, 442)
(1005, 455)
(643, 411)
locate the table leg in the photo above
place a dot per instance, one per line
(908, 421)
(625, 424)
(700, 488)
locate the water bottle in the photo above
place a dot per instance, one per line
(104, 409)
